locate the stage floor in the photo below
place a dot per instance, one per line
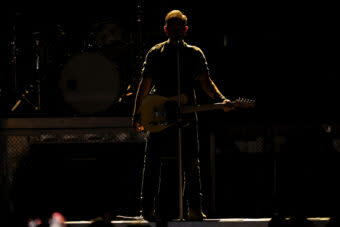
(222, 222)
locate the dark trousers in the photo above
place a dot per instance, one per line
(165, 144)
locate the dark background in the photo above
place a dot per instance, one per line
(283, 55)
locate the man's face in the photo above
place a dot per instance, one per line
(176, 30)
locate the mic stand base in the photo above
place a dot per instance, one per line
(22, 99)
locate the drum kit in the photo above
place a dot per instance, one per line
(91, 75)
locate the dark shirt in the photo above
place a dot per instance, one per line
(161, 65)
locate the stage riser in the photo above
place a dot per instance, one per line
(116, 224)
(229, 224)
(199, 224)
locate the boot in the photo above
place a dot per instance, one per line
(196, 214)
(149, 213)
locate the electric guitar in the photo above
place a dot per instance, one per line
(159, 112)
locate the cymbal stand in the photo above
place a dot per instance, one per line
(13, 58)
(139, 36)
(24, 98)
(37, 71)
(139, 20)
(31, 88)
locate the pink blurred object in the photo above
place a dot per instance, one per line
(57, 220)
(34, 222)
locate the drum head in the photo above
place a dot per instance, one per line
(90, 83)
(108, 34)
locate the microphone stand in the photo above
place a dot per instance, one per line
(179, 119)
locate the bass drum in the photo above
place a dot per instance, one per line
(90, 83)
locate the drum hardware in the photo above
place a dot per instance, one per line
(127, 94)
(106, 33)
(33, 88)
(89, 43)
(89, 77)
(95, 79)
(24, 97)
(13, 58)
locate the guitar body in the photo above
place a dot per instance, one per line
(155, 112)
(151, 104)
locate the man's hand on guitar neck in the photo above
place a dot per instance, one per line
(229, 105)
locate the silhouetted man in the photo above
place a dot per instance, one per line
(159, 76)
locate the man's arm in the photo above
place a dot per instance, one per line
(209, 87)
(142, 91)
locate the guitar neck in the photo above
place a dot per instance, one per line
(199, 108)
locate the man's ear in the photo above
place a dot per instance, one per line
(165, 30)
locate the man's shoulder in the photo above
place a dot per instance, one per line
(158, 46)
(194, 48)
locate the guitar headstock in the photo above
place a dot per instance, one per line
(244, 103)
